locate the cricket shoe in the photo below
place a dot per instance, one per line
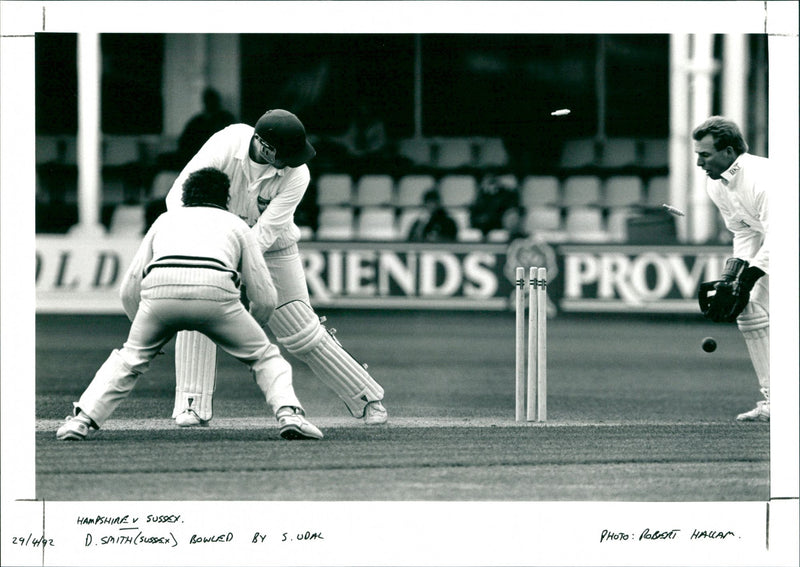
(375, 414)
(75, 428)
(189, 418)
(759, 413)
(295, 426)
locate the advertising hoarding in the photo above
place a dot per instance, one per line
(79, 275)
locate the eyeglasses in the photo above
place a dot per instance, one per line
(268, 149)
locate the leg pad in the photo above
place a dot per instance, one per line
(299, 330)
(754, 325)
(195, 374)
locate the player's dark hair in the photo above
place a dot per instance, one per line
(207, 187)
(725, 133)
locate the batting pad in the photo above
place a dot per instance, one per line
(754, 325)
(195, 374)
(298, 329)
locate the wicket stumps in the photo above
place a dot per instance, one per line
(531, 386)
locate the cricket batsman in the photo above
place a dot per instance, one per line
(269, 177)
(739, 184)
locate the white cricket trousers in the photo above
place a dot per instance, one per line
(227, 323)
(288, 276)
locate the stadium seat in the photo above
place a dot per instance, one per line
(623, 191)
(56, 149)
(411, 188)
(113, 191)
(618, 152)
(46, 149)
(374, 190)
(545, 222)
(127, 220)
(458, 190)
(538, 190)
(166, 144)
(546, 217)
(306, 233)
(376, 223)
(578, 153)
(498, 235)
(470, 235)
(334, 189)
(581, 190)
(452, 153)
(335, 223)
(406, 218)
(162, 183)
(658, 191)
(461, 216)
(41, 195)
(508, 180)
(120, 150)
(68, 149)
(617, 223)
(122, 166)
(655, 153)
(585, 224)
(416, 150)
(491, 153)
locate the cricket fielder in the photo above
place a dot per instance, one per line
(266, 166)
(739, 185)
(186, 274)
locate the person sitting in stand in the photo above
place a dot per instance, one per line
(495, 198)
(435, 224)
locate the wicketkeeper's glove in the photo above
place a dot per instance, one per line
(723, 300)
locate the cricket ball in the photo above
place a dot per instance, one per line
(709, 344)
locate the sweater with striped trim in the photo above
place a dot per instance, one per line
(199, 253)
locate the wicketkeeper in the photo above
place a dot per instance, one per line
(739, 185)
(266, 165)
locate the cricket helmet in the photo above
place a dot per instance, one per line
(283, 131)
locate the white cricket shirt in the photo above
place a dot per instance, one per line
(743, 201)
(281, 189)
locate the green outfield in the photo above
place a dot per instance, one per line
(637, 412)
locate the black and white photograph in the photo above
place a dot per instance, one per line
(399, 283)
